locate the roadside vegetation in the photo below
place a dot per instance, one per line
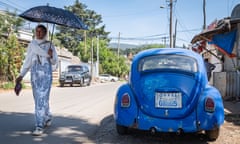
(11, 51)
(82, 43)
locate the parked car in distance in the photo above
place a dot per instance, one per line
(107, 78)
(76, 74)
(168, 91)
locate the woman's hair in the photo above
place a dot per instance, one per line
(42, 27)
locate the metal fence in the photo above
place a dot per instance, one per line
(228, 83)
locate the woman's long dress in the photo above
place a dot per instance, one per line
(41, 80)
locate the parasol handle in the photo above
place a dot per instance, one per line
(52, 35)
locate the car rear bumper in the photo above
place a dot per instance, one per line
(186, 124)
(70, 82)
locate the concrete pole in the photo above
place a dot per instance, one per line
(118, 44)
(92, 58)
(97, 63)
(170, 27)
(204, 14)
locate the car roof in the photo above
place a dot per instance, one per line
(156, 51)
(75, 65)
(159, 51)
(81, 65)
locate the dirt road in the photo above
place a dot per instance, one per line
(229, 134)
(85, 115)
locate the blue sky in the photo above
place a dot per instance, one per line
(136, 20)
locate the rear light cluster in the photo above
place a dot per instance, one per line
(125, 101)
(209, 104)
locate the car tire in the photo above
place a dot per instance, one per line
(121, 130)
(61, 84)
(213, 134)
(81, 82)
(89, 83)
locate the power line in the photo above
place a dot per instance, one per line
(187, 30)
(152, 37)
(9, 7)
(188, 33)
(15, 4)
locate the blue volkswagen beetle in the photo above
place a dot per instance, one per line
(168, 91)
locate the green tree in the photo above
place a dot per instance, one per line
(10, 50)
(3, 59)
(82, 43)
(70, 38)
(14, 57)
(108, 60)
(123, 67)
(112, 64)
(9, 23)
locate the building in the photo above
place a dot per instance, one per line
(220, 43)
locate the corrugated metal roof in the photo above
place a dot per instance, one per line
(224, 25)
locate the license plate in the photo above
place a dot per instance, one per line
(68, 80)
(168, 100)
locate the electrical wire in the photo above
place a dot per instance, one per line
(9, 7)
(15, 4)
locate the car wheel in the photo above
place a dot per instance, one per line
(213, 134)
(61, 84)
(89, 83)
(122, 130)
(81, 82)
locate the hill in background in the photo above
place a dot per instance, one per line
(122, 46)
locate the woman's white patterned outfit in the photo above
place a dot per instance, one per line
(40, 64)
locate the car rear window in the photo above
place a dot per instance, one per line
(175, 62)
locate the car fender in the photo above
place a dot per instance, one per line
(210, 120)
(125, 116)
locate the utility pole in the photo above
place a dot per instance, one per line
(97, 66)
(170, 27)
(85, 42)
(118, 45)
(92, 57)
(204, 14)
(175, 35)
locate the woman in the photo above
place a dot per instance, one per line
(41, 55)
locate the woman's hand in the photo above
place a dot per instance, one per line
(50, 52)
(19, 79)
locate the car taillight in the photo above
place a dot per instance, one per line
(125, 101)
(209, 104)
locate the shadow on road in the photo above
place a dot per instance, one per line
(107, 134)
(16, 128)
(233, 112)
(233, 118)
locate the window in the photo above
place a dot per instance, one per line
(174, 62)
(75, 68)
